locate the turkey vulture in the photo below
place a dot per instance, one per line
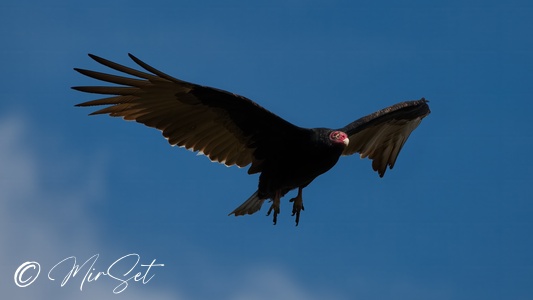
(234, 130)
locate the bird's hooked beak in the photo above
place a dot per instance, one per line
(346, 141)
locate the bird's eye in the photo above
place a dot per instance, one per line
(335, 135)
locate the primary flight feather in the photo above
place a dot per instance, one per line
(234, 130)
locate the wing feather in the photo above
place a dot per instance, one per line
(380, 136)
(225, 127)
(113, 78)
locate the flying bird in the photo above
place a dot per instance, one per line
(234, 130)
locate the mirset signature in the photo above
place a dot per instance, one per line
(124, 270)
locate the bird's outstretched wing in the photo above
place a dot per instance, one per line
(380, 136)
(226, 127)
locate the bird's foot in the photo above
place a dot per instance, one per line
(274, 207)
(297, 206)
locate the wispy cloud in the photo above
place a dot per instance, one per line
(263, 283)
(41, 224)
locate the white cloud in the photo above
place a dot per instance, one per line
(39, 223)
(265, 283)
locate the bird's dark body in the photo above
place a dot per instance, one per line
(294, 168)
(284, 163)
(234, 130)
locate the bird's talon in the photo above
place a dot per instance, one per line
(276, 210)
(298, 206)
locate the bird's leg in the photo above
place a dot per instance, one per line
(298, 205)
(275, 206)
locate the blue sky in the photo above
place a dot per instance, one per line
(452, 220)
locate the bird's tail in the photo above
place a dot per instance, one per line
(249, 206)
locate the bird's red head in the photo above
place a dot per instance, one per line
(339, 137)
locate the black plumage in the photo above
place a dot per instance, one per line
(234, 130)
